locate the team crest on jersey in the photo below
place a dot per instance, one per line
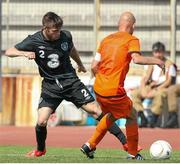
(64, 46)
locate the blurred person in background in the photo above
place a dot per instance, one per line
(51, 48)
(153, 88)
(110, 66)
(172, 97)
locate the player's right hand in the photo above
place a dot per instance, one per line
(29, 55)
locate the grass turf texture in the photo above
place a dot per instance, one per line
(15, 154)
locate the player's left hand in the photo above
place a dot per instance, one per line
(81, 68)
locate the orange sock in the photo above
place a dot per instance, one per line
(132, 138)
(101, 129)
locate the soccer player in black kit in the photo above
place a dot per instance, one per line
(51, 48)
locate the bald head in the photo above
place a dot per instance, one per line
(127, 17)
(126, 22)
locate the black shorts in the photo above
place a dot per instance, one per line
(73, 90)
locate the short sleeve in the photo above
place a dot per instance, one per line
(134, 46)
(71, 44)
(25, 45)
(172, 70)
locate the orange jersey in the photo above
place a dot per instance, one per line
(115, 52)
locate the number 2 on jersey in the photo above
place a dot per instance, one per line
(85, 93)
(41, 54)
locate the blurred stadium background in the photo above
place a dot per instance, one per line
(89, 21)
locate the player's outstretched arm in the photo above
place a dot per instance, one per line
(138, 59)
(13, 52)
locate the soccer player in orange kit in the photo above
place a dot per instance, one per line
(110, 66)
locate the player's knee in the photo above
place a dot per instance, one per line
(42, 122)
(95, 115)
(93, 109)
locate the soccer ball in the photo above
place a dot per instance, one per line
(160, 150)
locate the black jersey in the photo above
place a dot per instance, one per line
(52, 57)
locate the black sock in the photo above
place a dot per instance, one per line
(41, 133)
(116, 131)
(100, 117)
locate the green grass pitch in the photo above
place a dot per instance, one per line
(15, 154)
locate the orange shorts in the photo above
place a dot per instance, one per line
(119, 107)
